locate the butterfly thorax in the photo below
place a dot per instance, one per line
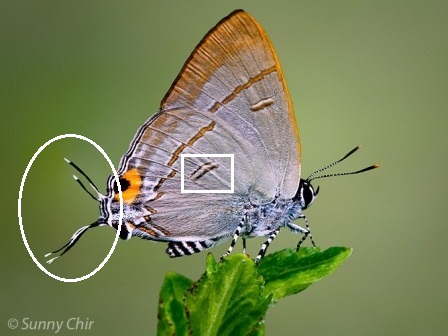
(265, 218)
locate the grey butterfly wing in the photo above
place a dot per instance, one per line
(234, 74)
(230, 98)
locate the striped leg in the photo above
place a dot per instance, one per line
(265, 245)
(236, 235)
(301, 241)
(307, 232)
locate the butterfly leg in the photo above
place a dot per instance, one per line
(265, 245)
(306, 232)
(236, 235)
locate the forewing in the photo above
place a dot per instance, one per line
(234, 74)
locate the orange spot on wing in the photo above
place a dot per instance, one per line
(134, 179)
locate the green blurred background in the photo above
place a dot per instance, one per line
(372, 73)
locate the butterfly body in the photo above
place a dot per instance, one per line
(220, 219)
(229, 98)
(260, 218)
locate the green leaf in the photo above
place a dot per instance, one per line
(227, 301)
(232, 296)
(288, 272)
(172, 316)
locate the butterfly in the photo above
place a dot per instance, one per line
(230, 99)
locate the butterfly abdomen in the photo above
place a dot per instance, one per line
(182, 248)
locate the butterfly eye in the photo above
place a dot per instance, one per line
(308, 195)
(305, 194)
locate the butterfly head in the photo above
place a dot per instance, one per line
(306, 194)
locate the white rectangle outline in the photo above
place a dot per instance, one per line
(232, 174)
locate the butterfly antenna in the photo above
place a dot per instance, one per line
(313, 177)
(346, 173)
(88, 179)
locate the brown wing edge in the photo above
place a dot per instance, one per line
(199, 45)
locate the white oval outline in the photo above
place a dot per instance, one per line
(120, 218)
